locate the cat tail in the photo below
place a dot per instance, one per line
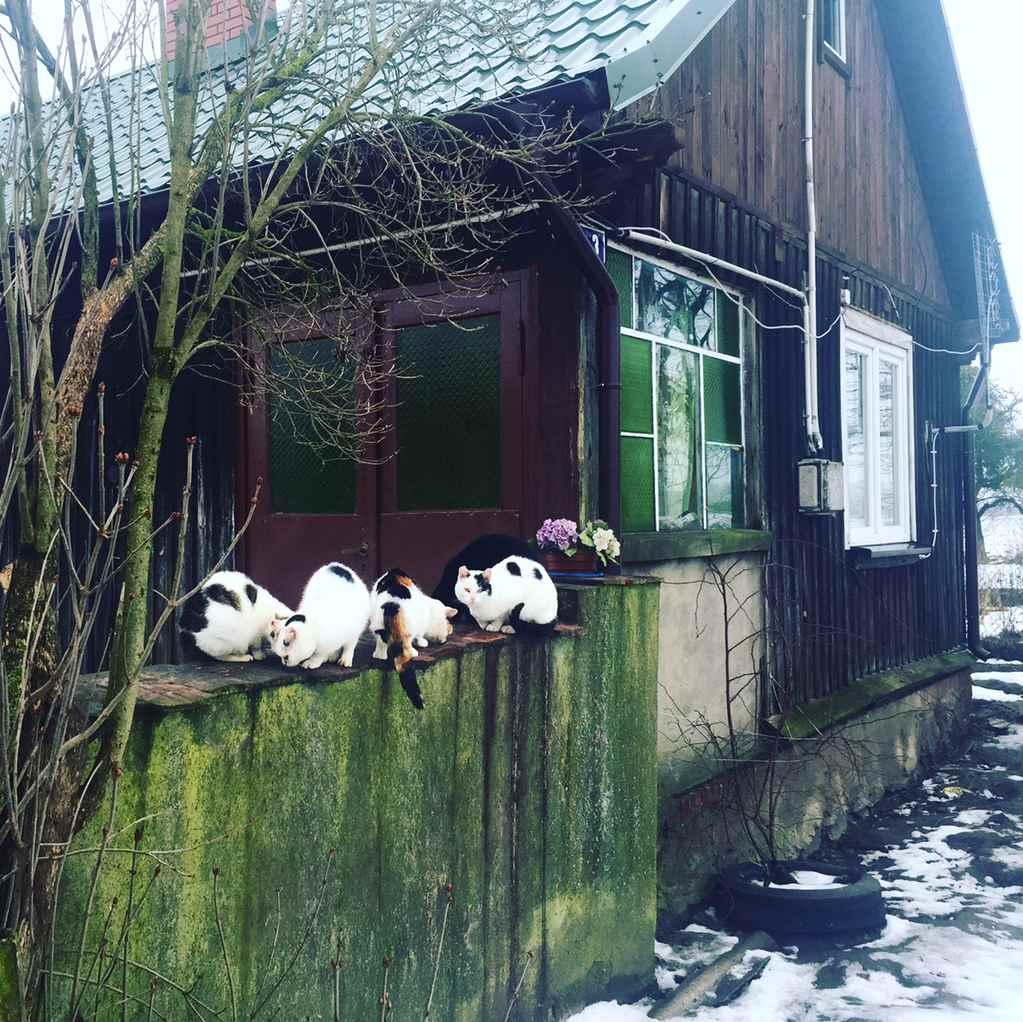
(396, 630)
(531, 629)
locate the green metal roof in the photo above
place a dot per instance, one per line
(636, 43)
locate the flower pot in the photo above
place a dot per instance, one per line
(583, 562)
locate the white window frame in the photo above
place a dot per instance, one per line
(839, 50)
(744, 305)
(874, 338)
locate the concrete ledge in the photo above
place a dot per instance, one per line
(869, 693)
(644, 547)
(181, 685)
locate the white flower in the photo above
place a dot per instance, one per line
(602, 540)
(614, 548)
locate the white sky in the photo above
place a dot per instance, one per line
(986, 34)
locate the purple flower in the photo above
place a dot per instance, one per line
(558, 534)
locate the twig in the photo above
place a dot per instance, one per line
(223, 947)
(449, 890)
(518, 986)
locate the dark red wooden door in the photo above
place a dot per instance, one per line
(452, 463)
(318, 502)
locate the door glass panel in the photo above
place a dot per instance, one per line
(311, 404)
(726, 496)
(674, 307)
(854, 383)
(678, 430)
(888, 413)
(637, 484)
(449, 415)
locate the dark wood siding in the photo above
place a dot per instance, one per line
(831, 623)
(737, 106)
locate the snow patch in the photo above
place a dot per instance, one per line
(994, 695)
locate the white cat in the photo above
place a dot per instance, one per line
(330, 619)
(402, 612)
(515, 596)
(230, 617)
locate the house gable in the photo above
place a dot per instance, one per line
(737, 106)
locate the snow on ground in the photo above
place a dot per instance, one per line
(949, 855)
(996, 695)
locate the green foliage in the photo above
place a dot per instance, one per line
(999, 450)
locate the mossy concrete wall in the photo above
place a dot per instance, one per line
(528, 782)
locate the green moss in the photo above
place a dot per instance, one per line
(10, 994)
(528, 782)
(875, 690)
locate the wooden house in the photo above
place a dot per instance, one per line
(650, 361)
(659, 379)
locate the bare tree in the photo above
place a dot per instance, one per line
(318, 165)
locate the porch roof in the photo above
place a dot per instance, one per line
(632, 44)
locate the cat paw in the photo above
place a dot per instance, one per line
(258, 654)
(347, 661)
(507, 630)
(236, 658)
(421, 643)
(311, 665)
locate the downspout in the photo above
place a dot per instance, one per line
(813, 429)
(609, 357)
(973, 639)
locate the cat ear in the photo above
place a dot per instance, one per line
(463, 572)
(450, 612)
(290, 634)
(486, 574)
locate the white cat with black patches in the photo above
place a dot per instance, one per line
(331, 617)
(515, 596)
(230, 618)
(401, 613)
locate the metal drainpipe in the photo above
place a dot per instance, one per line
(609, 344)
(973, 639)
(815, 441)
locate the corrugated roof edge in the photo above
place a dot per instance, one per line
(671, 40)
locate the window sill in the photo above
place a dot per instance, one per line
(892, 555)
(644, 547)
(836, 60)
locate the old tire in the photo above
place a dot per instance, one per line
(850, 912)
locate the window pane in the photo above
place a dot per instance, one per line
(674, 306)
(619, 267)
(726, 498)
(855, 386)
(727, 324)
(831, 26)
(721, 394)
(637, 399)
(311, 407)
(888, 413)
(637, 484)
(678, 433)
(449, 415)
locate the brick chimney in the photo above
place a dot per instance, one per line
(226, 20)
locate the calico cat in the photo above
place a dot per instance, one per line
(229, 618)
(515, 596)
(483, 552)
(402, 613)
(330, 619)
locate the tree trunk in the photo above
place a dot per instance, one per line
(981, 548)
(133, 618)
